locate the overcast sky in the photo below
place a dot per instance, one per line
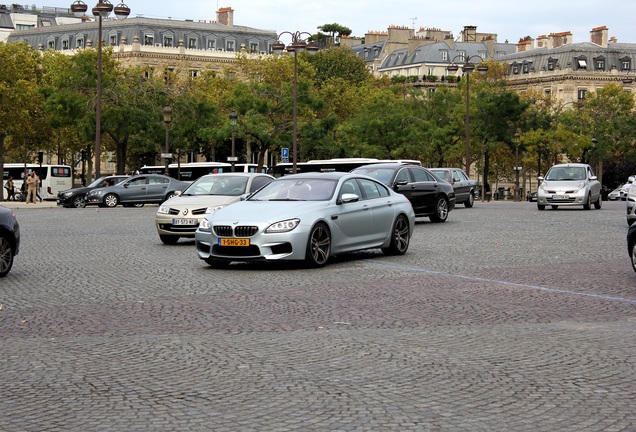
(510, 19)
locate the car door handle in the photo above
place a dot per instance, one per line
(365, 207)
(389, 203)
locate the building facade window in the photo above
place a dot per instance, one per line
(581, 94)
(149, 39)
(230, 46)
(112, 40)
(626, 64)
(444, 55)
(254, 47)
(211, 44)
(168, 41)
(462, 56)
(66, 44)
(580, 63)
(50, 44)
(79, 42)
(192, 43)
(194, 73)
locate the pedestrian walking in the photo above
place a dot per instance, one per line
(10, 187)
(32, 182)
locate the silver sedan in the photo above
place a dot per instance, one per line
(309, 217)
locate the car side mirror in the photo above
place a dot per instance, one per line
(400, 183)
(593, 178)
(126, 185)
(177, 193)
(540, 178)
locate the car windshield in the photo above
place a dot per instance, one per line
(566, 173)
(289, 189)
(217, 185)
(97, 183)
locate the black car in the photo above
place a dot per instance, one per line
(631, 244)
(77, 197)
(429, 195)
(9, 239)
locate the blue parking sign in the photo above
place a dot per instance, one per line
(284, 152)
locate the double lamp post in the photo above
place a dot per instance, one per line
(101, 10)
(297, 46)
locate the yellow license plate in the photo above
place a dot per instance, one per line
(234, 242)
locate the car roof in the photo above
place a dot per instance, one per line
(236, 174)
(569, 165)
(333, 175)
(392, 165)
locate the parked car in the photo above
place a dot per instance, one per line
(463, 186)
(137, 190)
(631, 245)
(9, 239)
(180, 216)
(572, 184)
(615, 195)
(626, 186)
(310, 217)
(76, 197)
(532, 197)
(630, 203)
(429, 195)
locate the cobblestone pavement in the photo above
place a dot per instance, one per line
(503, 318)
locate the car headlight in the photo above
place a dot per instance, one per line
(581, 185)
(544, 186)
(205, 225)
(163, 210)
(67, 194)
(283, 226)
(214, 209)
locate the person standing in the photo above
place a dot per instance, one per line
(10, 187)
(32, 187)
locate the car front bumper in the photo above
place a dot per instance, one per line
(169, 225)
(562, 198)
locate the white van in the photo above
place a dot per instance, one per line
(53, 178)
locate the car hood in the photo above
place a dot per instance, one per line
(563, 185)
(266, 211)
(200, 201)
(75, 190)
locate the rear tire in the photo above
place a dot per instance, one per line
(470, 201)
(79, 202)
(632, 255)
(318, 246)
(441, 211)
(400, 237)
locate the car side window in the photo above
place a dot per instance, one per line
(420, 175)
(370, 189)
(462, 175)
(351, 187)
(137, 182)
(456, 177)
(158, 180)
(403, 175)
(259, 182)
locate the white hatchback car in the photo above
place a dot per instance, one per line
(572, 184)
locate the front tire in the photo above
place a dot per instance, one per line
(6, 255)
(111, 200)
(588, 205)
(632, 256)
(540, 207)
(318, 246)
(599, 203)
(400, 237)
(169, 240)
(441, 211)
(470, 201)
(79, 202)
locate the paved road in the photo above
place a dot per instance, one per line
(501, 319)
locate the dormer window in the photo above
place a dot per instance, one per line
(626, 64)
(168, 41)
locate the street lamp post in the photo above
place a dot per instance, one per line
(517, 167)
(233, 117)
(101, 10)
(467, 69)
(167, 118)
(297, 46)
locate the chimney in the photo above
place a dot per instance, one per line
(599, 36)
(525, 44)
(469, 34)
(225, 16)
(559, 39)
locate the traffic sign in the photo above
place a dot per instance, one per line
(284, 152)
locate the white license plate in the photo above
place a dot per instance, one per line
(559, 197)
(184, 222)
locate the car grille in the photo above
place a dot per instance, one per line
(238, 231)
(185, 229)
(562, 201)
(233, 251)
(198, 211)
(561, 193)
